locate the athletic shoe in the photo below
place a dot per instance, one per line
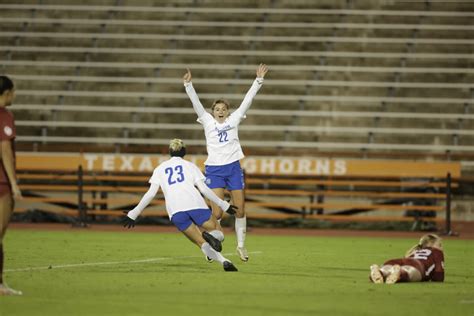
(242, 252)
(375, 274)
(209, 259)
(214, 242)
(394, 275)
(5, 290)
(228, 266)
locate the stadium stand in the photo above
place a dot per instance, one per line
(321, 38)
(352, 79)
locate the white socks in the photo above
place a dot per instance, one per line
(217, 234)
(241, 230)
(211, 253)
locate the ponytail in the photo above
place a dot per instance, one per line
(412, 250)
(425, 241)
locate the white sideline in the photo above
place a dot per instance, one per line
(88, 264)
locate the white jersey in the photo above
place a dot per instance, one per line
(177, 178)
(222, 140)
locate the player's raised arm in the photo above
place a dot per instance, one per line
(187, 76)
(262, 70)
(129, 220)
(197, 105)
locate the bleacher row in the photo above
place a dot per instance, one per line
(394, 78)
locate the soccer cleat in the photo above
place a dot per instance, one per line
(228, 266)
(209, 259)
(5, 290)
(242, 252)
(375, 274)
(394, 275)
(214, 242)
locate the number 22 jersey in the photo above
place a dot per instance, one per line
(432, 260)
(223, 145)
(222, 139)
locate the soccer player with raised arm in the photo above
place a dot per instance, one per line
(186, 207)
(422, 262)
(223, 169)
(8, 185)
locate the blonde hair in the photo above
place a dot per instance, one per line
(176, 144)
(425, 241)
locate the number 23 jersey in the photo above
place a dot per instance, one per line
(177, 178)
(432, 260)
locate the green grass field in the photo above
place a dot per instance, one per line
(286, 275)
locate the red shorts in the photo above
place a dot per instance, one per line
(5, 189)
(407, 262)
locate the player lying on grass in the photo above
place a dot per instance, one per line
(423, 262)
(186, 208)
(223, 169)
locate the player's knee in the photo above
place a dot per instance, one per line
(241, 209)
(217, 214)
(240, 213)
(239, 203)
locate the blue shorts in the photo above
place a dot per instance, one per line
(184, 219)
(230, 176)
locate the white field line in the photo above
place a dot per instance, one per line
(104, 263)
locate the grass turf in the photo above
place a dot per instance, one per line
(289, 275)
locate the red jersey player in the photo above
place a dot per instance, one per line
(423, 262)
(8, 185)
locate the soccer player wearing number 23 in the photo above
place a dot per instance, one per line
(186, 208)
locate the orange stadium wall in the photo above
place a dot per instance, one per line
(304, 166)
